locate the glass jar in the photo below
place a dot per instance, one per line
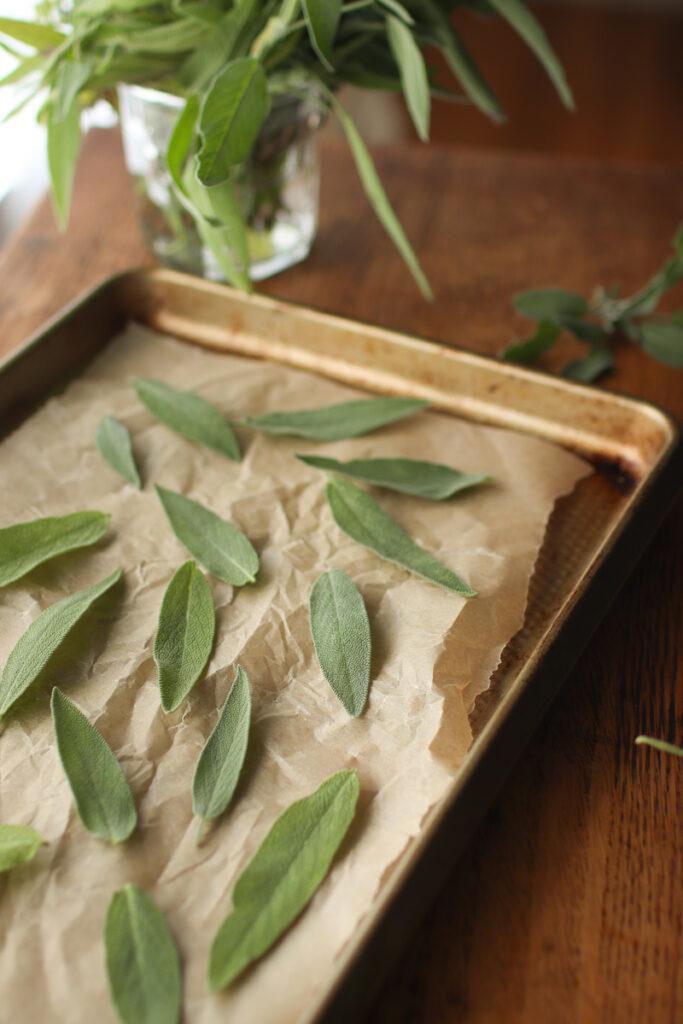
(277, 188)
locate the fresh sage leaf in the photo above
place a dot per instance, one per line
(63, 145)
(661, 745)
(184, 636)
(528, 27)
(341, 636)
(231, 116)
(143, 966)
(664, 341)
(413, 72)
(102, 796)
(218, 546)
(322, 19)
(220, 762)
(361, 518)
(429, 480)
(189, 415)
(34, 649)
(555, 304)
(335, 422)
(35, 34)
(590, 367)
(113, 441)
(27, 545)
(18, 845)
(283, 875)
(530, 349)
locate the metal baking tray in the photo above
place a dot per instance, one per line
(594, 538)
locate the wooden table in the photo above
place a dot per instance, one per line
(568, 904)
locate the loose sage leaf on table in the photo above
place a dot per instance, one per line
(429, 480)
(283, 875)
(113, 441)
(184, 636)
(358, 515)
(336, 422)
(189, 415)
(101, 793)
(220, 762)
(341, 636)
(18, 845)
(143, 966)
(34, 649)
(220, 547)
(27, 545)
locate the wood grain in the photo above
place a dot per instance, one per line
(568, 904)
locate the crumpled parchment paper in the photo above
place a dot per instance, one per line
(433, 653)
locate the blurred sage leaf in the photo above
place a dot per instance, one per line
(530, 349)
(554, 304)
(528, 27)
(114, 443)
(413, 73)
(219, 546)
(590, 367)
(361, 518)
(341, 636)
(63, 145)
(322, 19)
(189, 415)
(18, 845)
(101, 793)
(661, 745)
(282, 876)
(24, 546)
(143, 966)
(34, 648)
(184, 636)
(663, 340)
(429, 480)
(231, 116)
(336, 422)
(32, 33)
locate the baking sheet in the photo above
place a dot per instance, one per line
(434, 652)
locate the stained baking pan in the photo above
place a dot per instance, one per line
(594, 538)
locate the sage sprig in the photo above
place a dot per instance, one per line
(336, 422)
(358, 515)
(114, 443)
(219, 546)
(143, 965)
(18, 845)
(25, 546)
(32, 653)
(429, 480)
(101, 793)
(189, 415)
(600, 320)
(341, 636)
(282, 876)
(185, 633)
(220, 762)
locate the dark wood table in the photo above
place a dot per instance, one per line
(568, 904)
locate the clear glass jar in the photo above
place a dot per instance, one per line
(277, 187)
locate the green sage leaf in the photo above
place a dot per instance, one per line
(143, 966)
(341, 635)
(530, 349)
(189, 415)
(283, 875)
(528, 27)
(555, 304)
(322, 19)
(361, 518)
(590, 367)
(220, 762)
(18, 845)
(35, 34)
(219, 546)
(664, 341)
(413, 72)
(661, 745)
(34, 649)
(27, 545)
(184, 637)
(336, 422)
(231, 116)
(63, 144)
(429, 480)
(101, 793)
(113, 441)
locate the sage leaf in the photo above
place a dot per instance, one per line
(335, 422)
(590, 367)
(63, 145)
(143, 966)
(361, 518)
(219, 546)
(113, 441)
(413, 72)
(429, 480)
(530, 349)
(220, 762)
(555, 304)
(35, 34)
(184, 636)
(664, 341)
(322, 19)
(341, 635)
(27, 545)
(283, 875)
(189, 415)
(528, 27)
(34, 648)
(231, 116)
(661, 745)
(18, 845)
(102, 796)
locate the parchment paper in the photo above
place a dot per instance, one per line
(431, 659)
